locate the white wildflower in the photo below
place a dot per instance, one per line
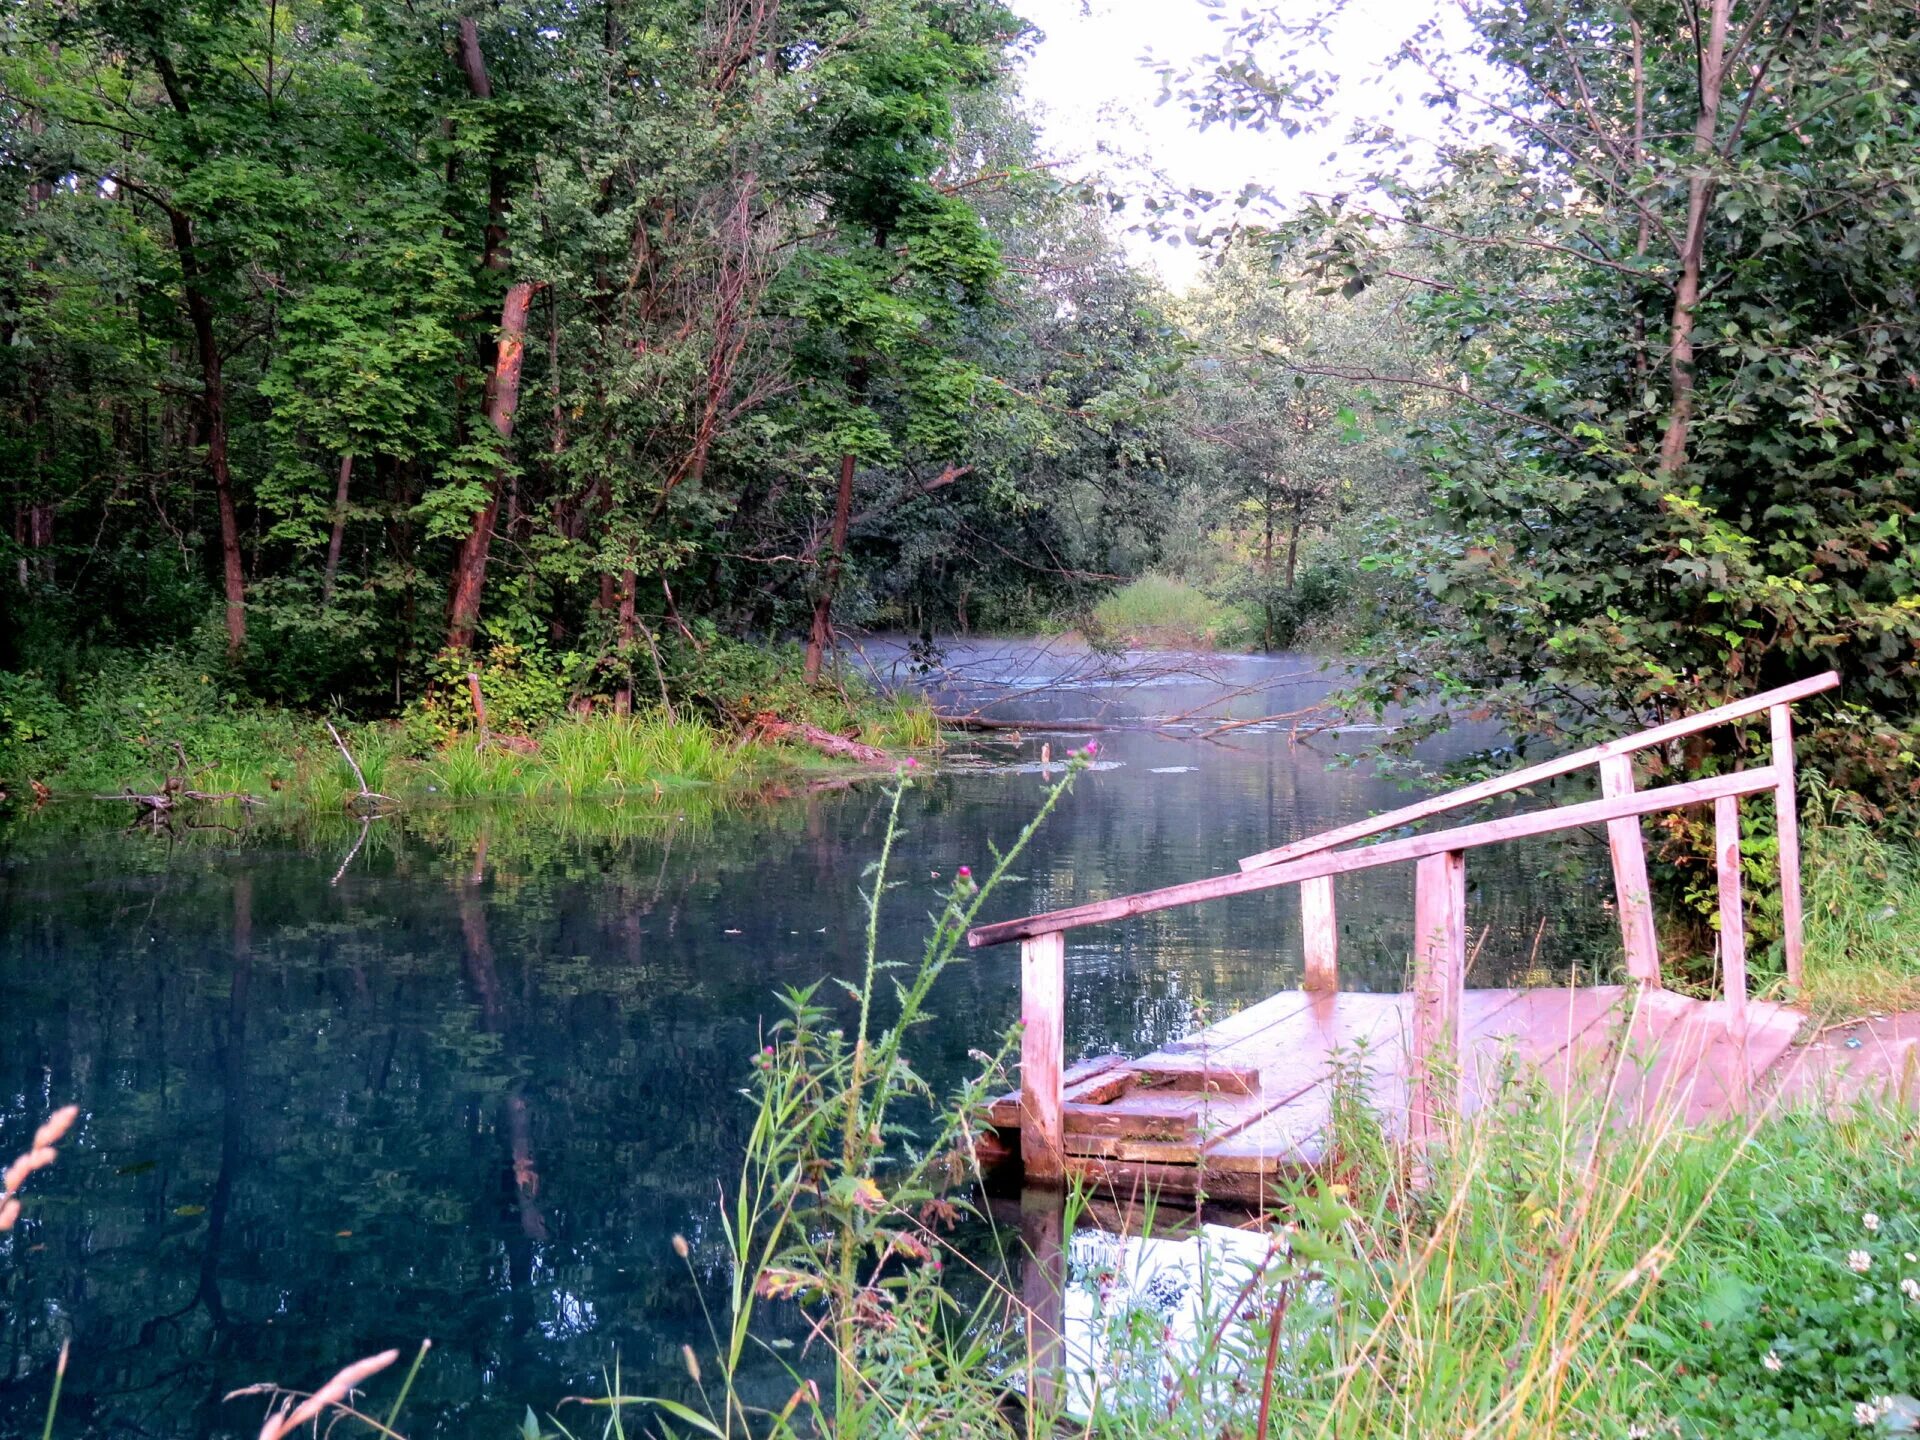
(1865, 1412)
(1872, 1222)
(1910, 1288)
(1773, 1362)
(1859, 1261)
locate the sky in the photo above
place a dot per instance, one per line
(1091, 93)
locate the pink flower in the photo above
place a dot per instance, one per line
(965, 872)
(1093, 748)
(912, 764)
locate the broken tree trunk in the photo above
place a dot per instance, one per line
(503, 398)
(767, 727)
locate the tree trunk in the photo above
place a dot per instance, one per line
(508, 351)
(339, 531)
(213, 412)
(503, 398)
(623, 697)
(1686, 294)
(821, 640)
(1293, 541)
(1266, 569)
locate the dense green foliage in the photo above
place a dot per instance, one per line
(393, 333)
(1663, 268)
(391, 330)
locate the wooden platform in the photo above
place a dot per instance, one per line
(1230, 1108)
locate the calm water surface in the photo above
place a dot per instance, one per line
(467, 1080)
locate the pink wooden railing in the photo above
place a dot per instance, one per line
(1440, 900)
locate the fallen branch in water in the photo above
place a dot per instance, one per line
(989, 722)
(173, 789)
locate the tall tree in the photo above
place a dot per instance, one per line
(1667, 281)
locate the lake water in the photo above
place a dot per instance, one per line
(466, 1080)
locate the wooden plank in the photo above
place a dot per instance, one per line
(1536, 1033)
(1197, 1072)
(1535, 774)
(1100, 1077)
(1439, 976)
(1043, 1003)
(1390, 852)
(1165, 1116)
(1627, 1063)
(1731, 1055)
(1292, 1054)
(1101, 1089)
(1786, 807)
(1632, 894)
(1320, 935)
(1285, 1135)
(1255, 1018)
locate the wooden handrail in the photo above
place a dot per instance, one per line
(1440, 842)
(1439, 903)
(1546, 770)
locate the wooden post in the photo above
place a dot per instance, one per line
(1786, 809)
(1632, 894)
(1733, 926)
(1439, 977)
(1043, 1003)
(1320, 935)
(1043, 1292)
(1733, 936)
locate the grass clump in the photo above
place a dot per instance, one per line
(1161, 611)
(1862, 900)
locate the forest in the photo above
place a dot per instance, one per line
(343, 343)
(660, 410)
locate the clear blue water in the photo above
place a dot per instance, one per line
(468, 1083)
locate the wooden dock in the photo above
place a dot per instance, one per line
(1244, 1102)
(1227, 1110)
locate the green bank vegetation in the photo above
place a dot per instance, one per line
(169, 715)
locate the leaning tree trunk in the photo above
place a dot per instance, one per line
(1686, 293)
(821, 638)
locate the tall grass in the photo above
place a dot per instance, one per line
(1862, 916)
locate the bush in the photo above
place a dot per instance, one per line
(36, 730)
(1159, 610)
